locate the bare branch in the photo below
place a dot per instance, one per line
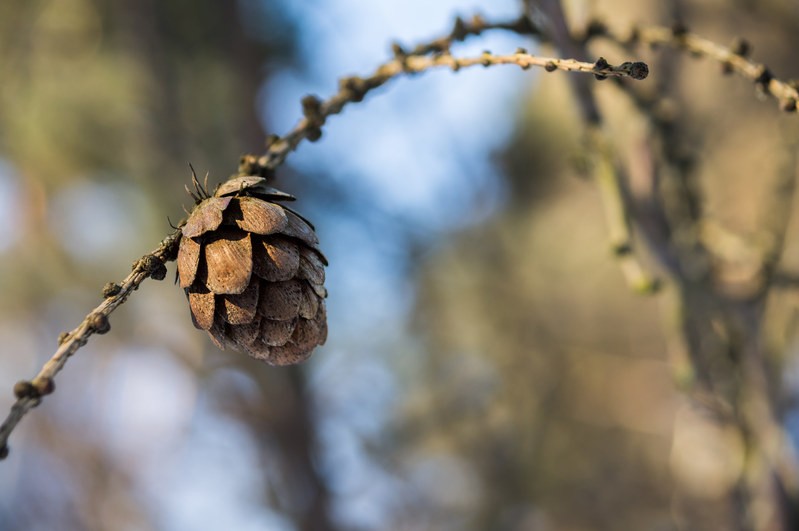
(476, 26)
(733, 59)
(608, 180)
(423, 57)
(30, 393)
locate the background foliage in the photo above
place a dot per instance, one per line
(487, 366)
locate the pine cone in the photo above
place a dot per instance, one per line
(253, 272)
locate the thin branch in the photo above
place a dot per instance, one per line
(768, 488)
(476, 26)
(605, 169)
(785, 280)
(552, 17)
(30, 393)
(778, 212)
(733, 59)
(642, 194)
(354, 89)
(608, 180)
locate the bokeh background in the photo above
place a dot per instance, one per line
(487, 366)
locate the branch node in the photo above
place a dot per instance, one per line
(648, 286)
(152, 266)
(159, 271)
(763, 78)
(788, 105)
(271, 140)
(25, 389)
(44, 386)
(459, 31)
(550, 66)
(314, 133)
(312, 110)
(622, 249)
(34, 390)
(679, 30)
(356, 86)
(741, 47)
(398, 51)
(252, 165)
(63, 336)
(601, 64)
(99, 323)
(437, 48)
(111, 289)
(400, 55)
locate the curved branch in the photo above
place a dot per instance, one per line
(352, 89)
(423, 57)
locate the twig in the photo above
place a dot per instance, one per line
(608, 181)
(552, 17)
(354, 89)
(476, 26)
(732, 59)
(30, 393)
(767, 489)
(605, 170)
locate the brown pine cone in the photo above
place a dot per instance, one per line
(253, 272)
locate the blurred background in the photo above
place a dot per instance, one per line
(487, 366)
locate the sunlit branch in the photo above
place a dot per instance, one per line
(608, 180)
(475, 26)
(354, 89)
(733, 59)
